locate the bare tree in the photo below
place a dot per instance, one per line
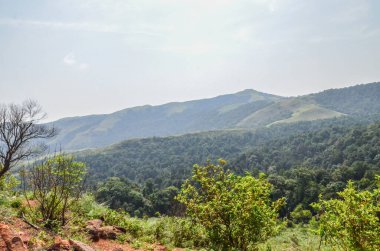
(19, 125)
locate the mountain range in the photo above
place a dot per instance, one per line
(248, 109)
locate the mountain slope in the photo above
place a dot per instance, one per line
(248, 109)
(288, 111)
(363, 99)
(164, 120)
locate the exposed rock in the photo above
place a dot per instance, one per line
(25, 237)
(97, 232)
(13, 242)
(95, 223)
(60, 245)
(108, 232)
(121, 229)
(80, 246)
(160, 248)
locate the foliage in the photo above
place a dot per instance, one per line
(302, 160)
(180, 232)
(171, 158)
(302, 166)
(236, 211)
(300, 215)
(56, 184)
(164, 201)
(171, 231)
(8, 198)
(352, 221)
(8, 183)
(121, 194)
(299, 238)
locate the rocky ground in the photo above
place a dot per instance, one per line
(17, 235)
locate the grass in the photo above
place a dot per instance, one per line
(308, 113)
(171, 232)
(299, 238)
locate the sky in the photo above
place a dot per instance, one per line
(79, 57)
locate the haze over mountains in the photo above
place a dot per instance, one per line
(248, 109)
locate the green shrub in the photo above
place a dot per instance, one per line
(180, 232)
(236, 211)
(351, 222)
(57, 184)
(16, 203)
(8, 183)
(88, 209)
(300, 215)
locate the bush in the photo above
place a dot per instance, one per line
(180, 232)
(300, 215)
(57, 184)
(351, 222)
(16, 203)
(235, 211)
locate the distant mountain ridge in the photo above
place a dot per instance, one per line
(164, 120)
(248, 109)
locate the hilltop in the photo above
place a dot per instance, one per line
(248, 109)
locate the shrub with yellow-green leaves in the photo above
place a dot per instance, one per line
(351, 222)
(236, 211)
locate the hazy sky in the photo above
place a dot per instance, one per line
(81, 57)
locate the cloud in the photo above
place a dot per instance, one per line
(71, 61)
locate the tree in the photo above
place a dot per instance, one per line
(351, 222)
(235, 210)
(122, 194)
(57, 184)
(19, 125)
(164, 200)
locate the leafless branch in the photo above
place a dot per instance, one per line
(19, 126)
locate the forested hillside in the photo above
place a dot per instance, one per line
(303, 166)
(357, 100)
(328, 148)
(301, 160)
(248, 109)
(169, 160)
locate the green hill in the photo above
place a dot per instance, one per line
(164, 120)
(248, 109)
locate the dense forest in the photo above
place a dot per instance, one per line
(321, 162)
(169, 160)
(317, 157)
